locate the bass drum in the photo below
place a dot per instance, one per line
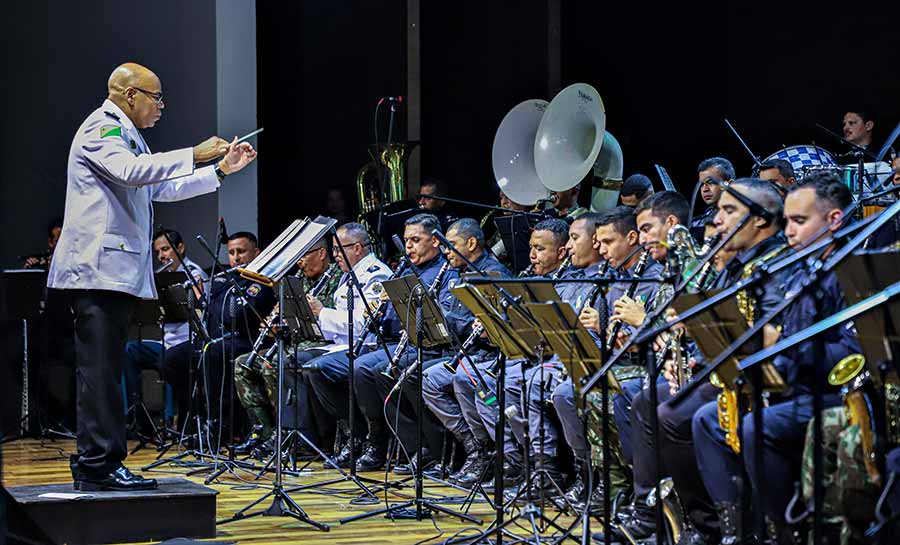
(804, 157)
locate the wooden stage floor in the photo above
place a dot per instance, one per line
(28, 461)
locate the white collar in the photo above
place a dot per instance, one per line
(113, 108)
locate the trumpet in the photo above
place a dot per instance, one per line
(391, 370)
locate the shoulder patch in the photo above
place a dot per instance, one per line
(253, 290)
(373, 268)
(110, 130)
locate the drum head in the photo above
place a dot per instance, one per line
(804, 157)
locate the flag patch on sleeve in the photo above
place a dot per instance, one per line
(110, 130)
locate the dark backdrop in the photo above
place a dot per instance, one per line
(56, 62)
(668, 76)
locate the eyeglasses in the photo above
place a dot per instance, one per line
(157, 97)
(336, 250)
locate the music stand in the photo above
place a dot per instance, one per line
(24, 289)
(410, 297)
(269, 267)
(515, 231)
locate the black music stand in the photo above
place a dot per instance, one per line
(269, 267)
(24, 289)
(515, 231)
(410, 297)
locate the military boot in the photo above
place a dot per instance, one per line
(374, 450)
(470, 472)
(729, 523)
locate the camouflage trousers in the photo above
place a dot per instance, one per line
(619, 472)
(850, 495)
(257, 390)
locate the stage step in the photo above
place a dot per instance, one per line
(178, 508)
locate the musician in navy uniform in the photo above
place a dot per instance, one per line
(229, 322)
(712, 174)
(103, 255)
(815, 204)
(437, 382)
(423, 250)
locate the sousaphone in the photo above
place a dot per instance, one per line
(513, 153)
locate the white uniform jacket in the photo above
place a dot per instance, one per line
(112, 180)
(333, 321)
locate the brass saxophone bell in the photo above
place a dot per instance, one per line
(847, 369)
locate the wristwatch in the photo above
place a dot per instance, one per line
(220, 173)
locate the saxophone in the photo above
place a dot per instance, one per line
(391, 370)
(727, 400)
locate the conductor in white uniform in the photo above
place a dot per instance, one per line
(103, 257)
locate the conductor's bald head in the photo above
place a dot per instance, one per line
(138, 92)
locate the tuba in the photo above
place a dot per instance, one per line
(391, 160)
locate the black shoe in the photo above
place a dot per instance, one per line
(471, 471)
(253, 440)
(640, 526)
(576, 493)
(343, 457)
(120, 479)
(372, 457)
(409, 469)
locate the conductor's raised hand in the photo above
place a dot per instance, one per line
(237, 156)
(210, 149)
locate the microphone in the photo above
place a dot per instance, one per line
(399, 244)
(223, 234)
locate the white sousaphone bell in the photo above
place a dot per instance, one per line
(540, 148)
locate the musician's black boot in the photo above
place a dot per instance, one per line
(576, 493)
(641, 525)
(470, 472)
(342, 459)
(374, 450)
(254, 439)
(729, 523)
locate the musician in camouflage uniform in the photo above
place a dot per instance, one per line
(616, 238)
(256, 385)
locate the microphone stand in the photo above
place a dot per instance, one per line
(533, 215)
(753, 156)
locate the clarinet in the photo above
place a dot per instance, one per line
(638, 271)
(391, 370)
(376, 314)
(477, 331)
(254, 352)
(562, 268)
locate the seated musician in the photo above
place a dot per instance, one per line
(635, 189)
(812, 210)
(371, 385)
(547, 378)
(758, 240)
(712, 174)
(437, 381)
(222, 328)
(778, 171)
(616, 238)
(547, 256)
(42, 260)
(328, 374)
(147, 354)
(256, 386)
(565, 204)
(857, 127)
